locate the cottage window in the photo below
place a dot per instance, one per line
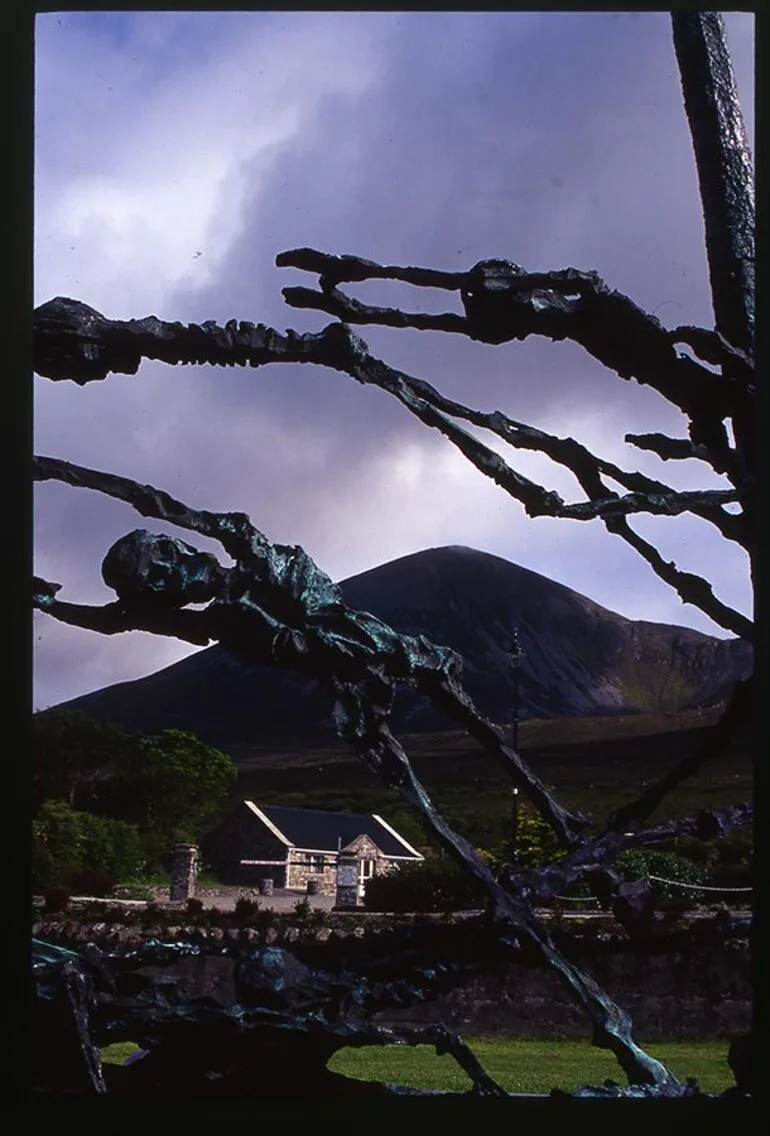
(311, 863)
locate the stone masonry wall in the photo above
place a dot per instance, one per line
(299, 874)
(704, 993)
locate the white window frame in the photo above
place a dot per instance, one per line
(312, 862)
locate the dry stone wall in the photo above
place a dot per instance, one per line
(704, 992)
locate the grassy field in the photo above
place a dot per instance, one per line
(530, 1066)
(594, 764)
(116, 1054)
(523, 1066)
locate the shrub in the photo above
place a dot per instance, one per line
(729, 860)
(194, 908)
(436, 884)
(207, 878)
(55, 900)
(536, 843)
(92, 881)
(245, 909)
(81, 851)
(638, 864)
(577, 897)
(44, 868)
(137, 888)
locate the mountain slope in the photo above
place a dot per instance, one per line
(579, 658)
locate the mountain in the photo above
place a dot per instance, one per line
(578, 659)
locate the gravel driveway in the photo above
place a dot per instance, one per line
(281, 899)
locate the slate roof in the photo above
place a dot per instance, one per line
(312, 828)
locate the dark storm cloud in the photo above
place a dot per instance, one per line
(431, 138)
(554, 140)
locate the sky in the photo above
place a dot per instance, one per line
(178, 153)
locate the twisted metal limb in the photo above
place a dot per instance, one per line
(247, 613)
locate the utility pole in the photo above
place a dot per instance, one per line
(514, 826)
(516, 657)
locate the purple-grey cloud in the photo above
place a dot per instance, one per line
(553, 139)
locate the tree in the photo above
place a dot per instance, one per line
(74, 756)
(170, 786)
(275, 606)
(536, 844)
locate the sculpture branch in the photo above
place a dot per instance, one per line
(249, 606)
(275, 606)
(726, 181)
(335, 303)
(74, 340)
(725, 173)
(715, 742)
(600, 853)
(370, 735)
(667, 448)
(335, 270)
(431, 407)
(114, 619)
(503, 302)
(712, 347)
(689, 587)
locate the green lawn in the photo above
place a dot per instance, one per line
(526, 1066)
(530, 1066)
(116, 1054)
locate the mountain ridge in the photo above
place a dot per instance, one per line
(579, 658)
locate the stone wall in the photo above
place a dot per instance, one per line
(299, 873)
(706, 994)
(364, 848)
(702, 993)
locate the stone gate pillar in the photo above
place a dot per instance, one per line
(347, 882)
(183, 873)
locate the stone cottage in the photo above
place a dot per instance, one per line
(294, 847)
